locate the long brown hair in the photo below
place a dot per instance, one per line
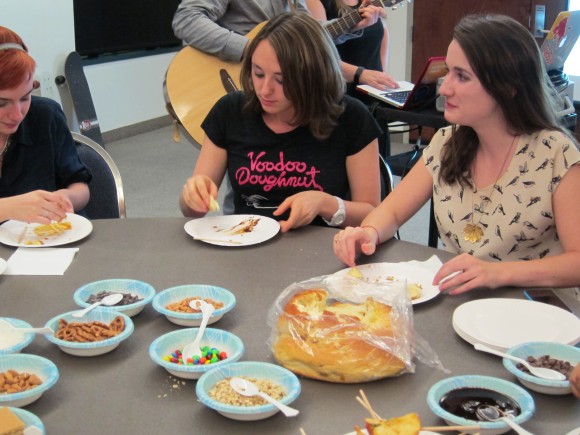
(507, 61)
(311, 73)
(16, 65)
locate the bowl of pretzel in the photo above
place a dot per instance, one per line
(97, 332)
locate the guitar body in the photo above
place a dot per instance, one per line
(193, 85)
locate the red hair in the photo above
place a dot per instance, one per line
(16, 65)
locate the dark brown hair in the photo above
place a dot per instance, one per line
(311, 73)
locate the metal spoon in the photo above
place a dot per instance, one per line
(7, 327)
(108, 300)
(193, 348)
(493, 413)
(540, 372)
(247, 388)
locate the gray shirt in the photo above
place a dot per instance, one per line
(217, 26)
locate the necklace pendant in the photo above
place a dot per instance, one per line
(473, 233)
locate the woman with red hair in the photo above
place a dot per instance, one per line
(41, 175)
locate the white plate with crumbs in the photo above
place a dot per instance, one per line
(504, 323)
(233, 230)
(22, 234)
(376, 273)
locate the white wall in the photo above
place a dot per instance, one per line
(130, 91)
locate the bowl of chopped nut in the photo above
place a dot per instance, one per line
(136, 294)
(97, 332)
(556, 356)
(213, 389)
(24, 378)
(174, 303)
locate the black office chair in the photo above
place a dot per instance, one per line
(107, 197)
(386, 178)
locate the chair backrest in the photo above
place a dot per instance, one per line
(386, 178)
(107, 197)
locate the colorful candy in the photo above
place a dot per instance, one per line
(207, 356)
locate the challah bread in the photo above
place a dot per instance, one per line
(335, 342)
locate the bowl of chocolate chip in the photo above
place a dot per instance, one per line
(136, 294)
(555, 356)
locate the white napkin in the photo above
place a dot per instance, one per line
(40, 261)
(433, 264)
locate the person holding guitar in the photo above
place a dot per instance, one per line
(365, 58)
(293, 144)
(219, 27)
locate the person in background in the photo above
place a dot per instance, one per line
(575, 380)
(294, 146)
(41, 175)
(504, 177)
(364, 59)
(218, 26)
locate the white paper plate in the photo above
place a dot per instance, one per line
(379, 272)
(3, 265)
(12, 233)
(423, 432)
(227, 230)
(504, 323)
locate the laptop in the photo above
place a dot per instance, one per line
(409, 95)
(561, 39)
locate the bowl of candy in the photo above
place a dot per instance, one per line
(99, 331)
(217, 348)
(24, 378)
(174, 303)
(136, 294)
(16, 419)
(12, 341)
(458, 399)
(557, 356)
(214, 390)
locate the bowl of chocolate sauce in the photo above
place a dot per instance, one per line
(456, 400)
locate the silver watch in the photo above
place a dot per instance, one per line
(340, 215)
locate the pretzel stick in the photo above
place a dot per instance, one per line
(367, 405)
(302, 432)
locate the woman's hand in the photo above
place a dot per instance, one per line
(38, 206)
(197, 193)
(303, 206)
(370, 15)
(378, 79)
(575, 380)
(351, 241)
(468, 273)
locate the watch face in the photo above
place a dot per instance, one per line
(338, 218)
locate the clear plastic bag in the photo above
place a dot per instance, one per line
(344, 329)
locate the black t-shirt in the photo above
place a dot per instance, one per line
(266, 167)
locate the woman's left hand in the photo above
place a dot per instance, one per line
(304, 207)
(468, 273)
(370, 15)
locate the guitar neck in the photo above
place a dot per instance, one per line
(343, 24)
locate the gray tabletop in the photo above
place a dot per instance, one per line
(125, 392)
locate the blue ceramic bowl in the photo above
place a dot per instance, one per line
(254, 369)
(521, 396)
(176, 294)
(176, 340)
(24, 363)
(145, 291)
(28, 418)
(104, 315)
(14, 342)
(537, 349)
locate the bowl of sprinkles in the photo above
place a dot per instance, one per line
(217, 348)
(136, 294)
(99, 331)
(214, 391)
(173, 303)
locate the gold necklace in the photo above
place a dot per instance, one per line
(474, 232)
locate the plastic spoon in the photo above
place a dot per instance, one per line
(7, 327)
(540, 372)
(247, 388)
(108, 300)
(492, 413)
(207, 310)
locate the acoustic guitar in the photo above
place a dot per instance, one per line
(196, 80)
